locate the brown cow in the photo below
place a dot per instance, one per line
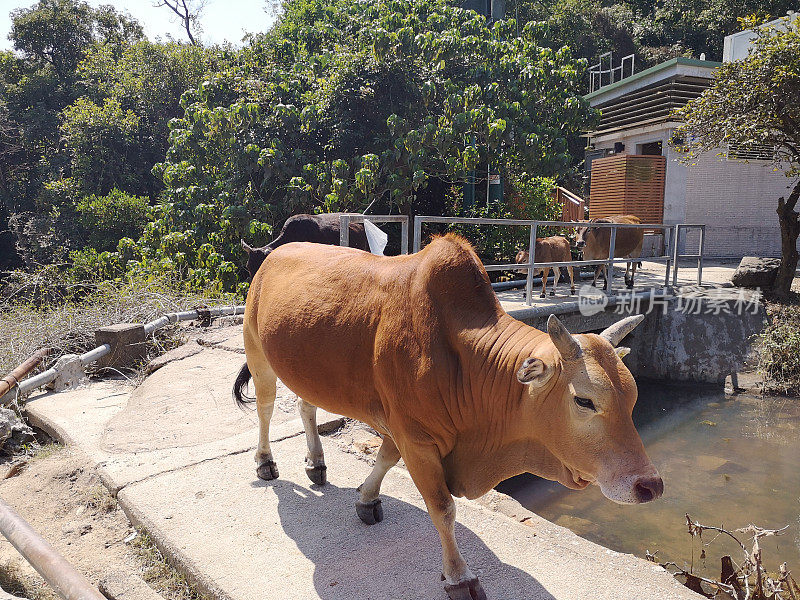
(419, 348)
(550, 249)
(594, 242)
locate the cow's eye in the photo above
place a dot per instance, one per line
(585, 403)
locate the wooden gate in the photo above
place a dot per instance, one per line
(628, 184)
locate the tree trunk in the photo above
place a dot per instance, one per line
(790, 230)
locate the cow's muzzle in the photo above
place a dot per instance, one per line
(580, 244)
(648, 488)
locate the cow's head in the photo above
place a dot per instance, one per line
(583, 397)
(255, 256)
(581, 236)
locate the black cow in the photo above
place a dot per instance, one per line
(321, 229)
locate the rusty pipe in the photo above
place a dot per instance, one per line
(8, 382)
(57, 572)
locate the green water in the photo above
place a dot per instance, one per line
(726, 460)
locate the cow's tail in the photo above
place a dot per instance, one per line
(239, 386)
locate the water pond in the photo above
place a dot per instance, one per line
(726, 460)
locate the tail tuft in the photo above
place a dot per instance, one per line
(239, 385)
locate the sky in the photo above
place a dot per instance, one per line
(222, 20)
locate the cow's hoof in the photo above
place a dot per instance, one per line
(467, 590)
(541, 295)
(267, 470)
(572, 292)
(552, 293)
(370, 512)
(318, 475)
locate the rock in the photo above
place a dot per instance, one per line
(755, 272)
(710, 463)
(13, 431)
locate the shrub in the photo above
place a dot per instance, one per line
(109, 218)
(779, 360)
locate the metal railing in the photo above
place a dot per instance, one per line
(670, 258)
(45, 377)
(347, 218)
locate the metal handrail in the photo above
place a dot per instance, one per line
(45, 377)
(670, 231)
(346, 218)
(62, 577)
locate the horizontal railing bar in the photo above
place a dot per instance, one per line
(377, 218)
(573, 263)
(570, 224)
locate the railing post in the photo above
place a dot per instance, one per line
(531, 260)
(404, 236)
(417, 233)
(668, 252)
(700, 255)
(344, 230)
(610, 264)
(675, 256)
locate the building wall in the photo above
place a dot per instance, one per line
(737, 201)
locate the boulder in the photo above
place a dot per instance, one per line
(14, 432)
(755, 272)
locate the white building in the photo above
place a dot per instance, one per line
(735, 196)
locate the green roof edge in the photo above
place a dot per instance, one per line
(679, 60)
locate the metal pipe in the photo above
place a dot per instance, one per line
(45, 377)
(57, 572)
(700, 255)
(531, 261)
(676, 255)
(12, 379)
(610, 266)
(344, 230)
(417, 233)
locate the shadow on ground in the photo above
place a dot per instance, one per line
(397, 558)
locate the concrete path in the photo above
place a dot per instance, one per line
(716, 272)
(179, 455)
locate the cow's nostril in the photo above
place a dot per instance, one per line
(648, 488)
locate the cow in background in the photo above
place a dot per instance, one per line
(550, 249)
(320, 229)
(594, 243)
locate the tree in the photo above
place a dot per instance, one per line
(57, 32)
(188, 13)
(757, 101)
(348, 102)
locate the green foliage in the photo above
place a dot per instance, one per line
(347, 102)
(527, 197)
(752, 101)
(99, 140)
(108, 219)
(652, 30)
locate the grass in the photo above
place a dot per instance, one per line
(159, 573)
(14, 581)
(99, 499)
(779, 358)
(41, 310)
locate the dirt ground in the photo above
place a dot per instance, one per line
(64, 500)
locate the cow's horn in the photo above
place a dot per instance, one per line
(620, 329)
(567, 346)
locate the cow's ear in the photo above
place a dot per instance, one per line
(622, 351)
(534, 371)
